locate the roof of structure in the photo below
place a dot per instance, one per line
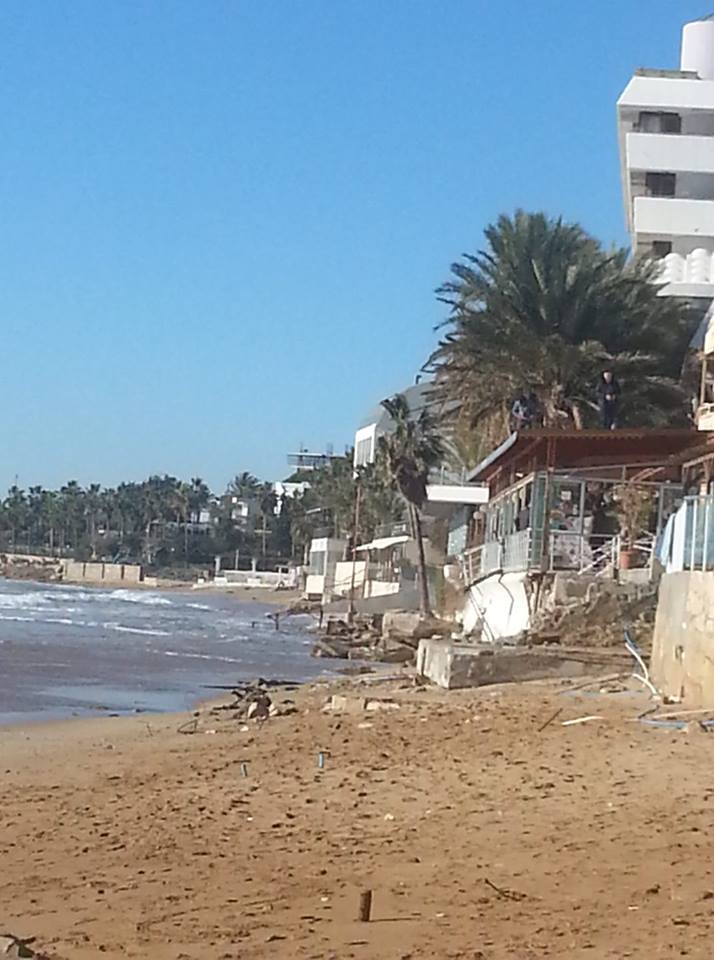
(568, 449)
(416, 396)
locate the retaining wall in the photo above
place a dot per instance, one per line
(682, 665)
(115, 573)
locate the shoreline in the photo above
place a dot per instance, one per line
(266, 595)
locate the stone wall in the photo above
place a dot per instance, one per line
(682, 664)
(78, 571)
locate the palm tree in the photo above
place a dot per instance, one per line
(544, 306)
(267, 503)
(180, 499)
(36, 498)
(52, 515)
(199, 497)
(92, 508)
(244, 485)
(72, 509)
(409, 452)
(16, 512)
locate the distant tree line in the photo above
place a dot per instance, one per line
(167, 522)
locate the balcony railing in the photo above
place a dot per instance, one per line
(698, 546)
(517, 551)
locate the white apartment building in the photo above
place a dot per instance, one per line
(666, 133)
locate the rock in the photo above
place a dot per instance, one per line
(374, 705)
(259, 709)
(12, 947)
(412, 625)
(339, 703)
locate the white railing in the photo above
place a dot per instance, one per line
(491, 557)
(517, 551)
(699, 533)
(568, 550)
(471, 564)
(603, 558)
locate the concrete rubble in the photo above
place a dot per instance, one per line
(253, 702)
(455, 665)
(340, 703)
(391, 637)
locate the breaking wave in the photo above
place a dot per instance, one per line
(142, 631)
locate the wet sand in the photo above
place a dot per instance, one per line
(482, 832)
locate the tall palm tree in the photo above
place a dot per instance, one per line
(73, 510)
(92, 509)
(267, 503)
(16, 512)
(36, 498)
(244, 485)
(199, 497)
(544, 306)
(409, 453)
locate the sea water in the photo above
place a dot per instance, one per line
(68, 650)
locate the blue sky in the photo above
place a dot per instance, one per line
(222, 223)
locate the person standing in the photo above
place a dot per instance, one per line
(609, 397)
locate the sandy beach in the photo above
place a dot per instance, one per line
(482, 832)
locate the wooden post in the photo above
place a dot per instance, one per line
(355, 527)
(365, 906)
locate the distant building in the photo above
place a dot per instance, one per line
(303, 460)
(287, 490)
(243, 511)
(378, 423)
(666, 133)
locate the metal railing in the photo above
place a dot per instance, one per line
(517, 551)
(698, 553)
(471, 564)
(491, 557)
(567, 550)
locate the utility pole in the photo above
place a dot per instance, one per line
(355, 527)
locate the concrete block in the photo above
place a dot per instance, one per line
(413, 625)
(457, 665)
(682, 664)
(339, 703)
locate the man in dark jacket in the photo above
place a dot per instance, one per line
(609, 397)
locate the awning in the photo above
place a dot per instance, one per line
(382, 543)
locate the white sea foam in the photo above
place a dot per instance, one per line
(121, 628)
(15, 601)
(138, 596)
(199, 656)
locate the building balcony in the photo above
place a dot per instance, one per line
(674, 217)
(670, 152)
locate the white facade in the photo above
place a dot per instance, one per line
(365, 445)
(666, 133)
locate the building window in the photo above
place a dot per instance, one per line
(660, 184)
(661, 248)
(650, 122)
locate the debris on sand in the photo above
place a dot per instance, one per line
(253, 702)
(12, 947)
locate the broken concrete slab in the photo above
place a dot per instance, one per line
(412, 625)
(458, 665)
(339, 703)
